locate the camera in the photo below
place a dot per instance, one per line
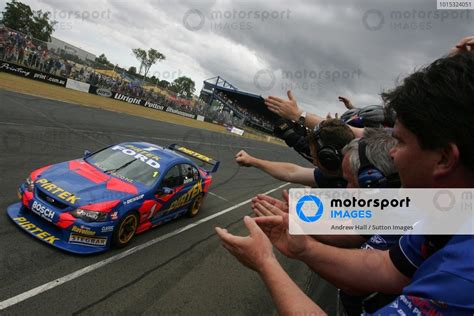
(294, 135)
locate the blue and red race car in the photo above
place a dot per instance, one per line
(88, 205)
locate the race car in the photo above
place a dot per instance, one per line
(87, 205)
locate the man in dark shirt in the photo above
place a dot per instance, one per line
(326, 143)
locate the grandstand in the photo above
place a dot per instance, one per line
(233, 105)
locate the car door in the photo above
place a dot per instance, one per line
(172, 180)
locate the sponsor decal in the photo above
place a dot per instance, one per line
(106, 229)
(57, 191)
(145, 151)
(90, 241)
(42, 211)
(38, 232)
(193, 154)
(12, 68)
(114, 215)
(188, 196)
(138, 197)
(121, 177)
(140, 156)
(104, 92)
(155, 106)
(171, 110)
(127, 99)
(83, 230)
(32, 74)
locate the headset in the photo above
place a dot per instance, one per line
(328, 156)
(371, 177)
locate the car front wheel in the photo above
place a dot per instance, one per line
(125, 230)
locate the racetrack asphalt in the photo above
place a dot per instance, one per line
(187, 273)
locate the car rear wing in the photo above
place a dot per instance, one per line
(191, 153)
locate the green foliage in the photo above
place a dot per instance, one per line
(22, 18)
(183, 86)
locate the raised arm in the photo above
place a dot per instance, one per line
(282, 171)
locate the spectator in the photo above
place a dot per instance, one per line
(326, 144)
(431, 275)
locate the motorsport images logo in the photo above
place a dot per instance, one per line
(309, 208)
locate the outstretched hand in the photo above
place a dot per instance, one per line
(254, 251)
(243, 159)
(276, 229)
(465, 44)
(265, 205)
(287, 109)
(348, 104)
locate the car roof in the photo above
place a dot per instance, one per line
(167, 156)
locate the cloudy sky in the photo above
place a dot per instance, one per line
(320, 49)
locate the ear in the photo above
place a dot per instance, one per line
(449, 158)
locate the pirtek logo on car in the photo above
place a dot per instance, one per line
(38, 232)
(54, 189)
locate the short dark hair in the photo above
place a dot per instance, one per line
(436, 104)
(333, 132)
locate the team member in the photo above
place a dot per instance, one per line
(435, 121)
(326, 144)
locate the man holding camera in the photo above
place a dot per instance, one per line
(325, 143)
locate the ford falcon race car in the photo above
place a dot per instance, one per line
(102, 200)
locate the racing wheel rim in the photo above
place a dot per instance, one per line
(196, 205)
(127, 229)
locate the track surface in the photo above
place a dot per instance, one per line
(188, 273)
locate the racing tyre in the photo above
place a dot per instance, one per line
(195, 206)
(125, 230)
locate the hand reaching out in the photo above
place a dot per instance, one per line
(264, 205)
(465, 44)
(346, 102)
(243, 159)
(287, 109)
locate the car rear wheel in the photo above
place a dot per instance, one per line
(125, 230)
(196, 205)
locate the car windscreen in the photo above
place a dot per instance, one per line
(124, 166)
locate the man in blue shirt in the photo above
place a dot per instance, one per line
(431, 274)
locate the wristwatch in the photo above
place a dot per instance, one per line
(302, 118)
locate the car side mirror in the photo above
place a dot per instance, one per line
(86, 153)
(165, 191)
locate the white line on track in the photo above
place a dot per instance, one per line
(218, 196)
(74, 275)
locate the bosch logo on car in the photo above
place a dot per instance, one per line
(42, 211)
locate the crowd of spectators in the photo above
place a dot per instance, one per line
(250, 118)
(24, 50)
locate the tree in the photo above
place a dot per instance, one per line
(102, 59)
(147, 59)
(183, 86)
(22, 18)
(132, 70)
(163, 84)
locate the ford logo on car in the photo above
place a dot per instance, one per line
(104, 92)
